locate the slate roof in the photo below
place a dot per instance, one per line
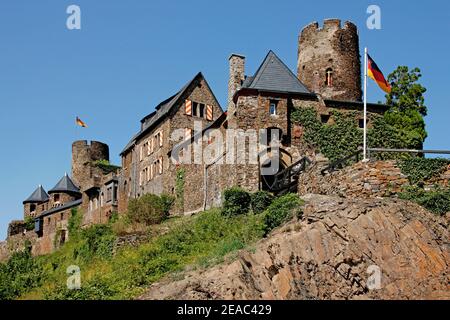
(39, 195)
(65, 185)
(273, 75)
(161, 111)
(65, 206)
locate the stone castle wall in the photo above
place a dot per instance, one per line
(366, 180)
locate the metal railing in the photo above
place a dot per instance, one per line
(341, 163)
(356, 156)
(288, 177)
(415, 151)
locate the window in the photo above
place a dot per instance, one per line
(361, 123)
(201, 113)
(329, 77)
(56, 198)
(32, 208)
(324, 118)
(141, 153)
(273, 108)
(195, 108)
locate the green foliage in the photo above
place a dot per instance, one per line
(167, 202)
(406, 93)
(200, 240)
(281, 210)
(74, 223)
(236, 201)
(19, 274)
(149, 209)
(179, 187)
(407, 106)
(420, 169)
(260, 201)
(343, 137)
(29, 223)
(105, 166)
(97, 241)
(437, 201)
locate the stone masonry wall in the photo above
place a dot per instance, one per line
(361, 180)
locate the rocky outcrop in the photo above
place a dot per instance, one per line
(336, 251)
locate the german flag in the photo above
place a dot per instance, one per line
(375, 73)
(81, 123)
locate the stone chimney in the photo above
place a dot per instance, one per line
(237, 76)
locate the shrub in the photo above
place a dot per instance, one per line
(29, 223)
(149, 209)
(236, 201)
(281, 210)
(19, 274)
(421, 169)
(437, 201)
(97, 241)
(261, 200)
(167, 202)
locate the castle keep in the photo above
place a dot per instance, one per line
(328, 77)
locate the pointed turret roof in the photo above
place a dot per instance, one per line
(39, 195)
(65, 185)
(273, 75)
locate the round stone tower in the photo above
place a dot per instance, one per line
(83, 155)
(328, 60)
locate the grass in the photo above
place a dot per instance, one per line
(198, 241)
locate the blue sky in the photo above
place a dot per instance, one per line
(129, 55)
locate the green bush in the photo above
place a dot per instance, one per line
(97, 241)
(149, 209)
(436, 201)
(236, 201)
(29, 223)
(261, 200)
(19, 274)
(281, 210)
(419, 169)
(167, 202)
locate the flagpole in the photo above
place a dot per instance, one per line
(365, 107)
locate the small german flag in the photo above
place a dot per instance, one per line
(81, 123)
(375, 73)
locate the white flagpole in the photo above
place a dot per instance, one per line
(365, 107)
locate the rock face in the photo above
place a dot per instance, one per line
(334, 252)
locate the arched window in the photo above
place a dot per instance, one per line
(329, 77)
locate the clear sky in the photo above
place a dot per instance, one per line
(130, 55)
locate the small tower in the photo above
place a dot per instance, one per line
(63, 192)
(328, 60)
(84, 154)
(32, 206)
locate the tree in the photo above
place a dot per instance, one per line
(407, 106)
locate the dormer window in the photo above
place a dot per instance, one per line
(329, 77)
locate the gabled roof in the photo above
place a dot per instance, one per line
(39, 195)
(65, 185)
(273, 75)
(162, 110)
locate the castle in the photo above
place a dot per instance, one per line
(328, 77)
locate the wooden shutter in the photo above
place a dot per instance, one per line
(160, 165)
(188, 106)
(188, 134)
(209, 113)
(161, 139)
